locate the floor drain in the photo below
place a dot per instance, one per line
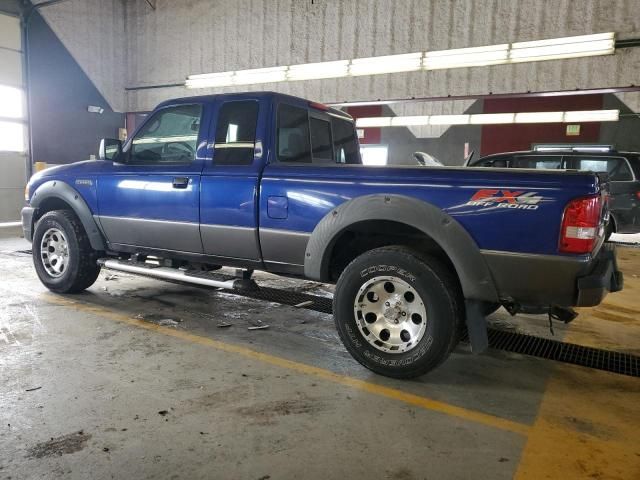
(606, 360)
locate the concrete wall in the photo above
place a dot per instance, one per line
(63, 130)
(199, 36)
(624, 134)
(94, 33)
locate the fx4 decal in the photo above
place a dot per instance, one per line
(512, 199)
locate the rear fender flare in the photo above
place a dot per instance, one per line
(68, 194)
(474, 274)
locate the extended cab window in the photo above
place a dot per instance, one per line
(293, 134)
(616, 167)
(321, 145)
(169, 136)
(345, 142)
(236, 133)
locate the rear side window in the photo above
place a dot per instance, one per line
(616, 167)
(345, 143)
(236, 133)
(293, 134)
(321, 145)
(551, 162)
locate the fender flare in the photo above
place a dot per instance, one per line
(68, 194)
(473, 272)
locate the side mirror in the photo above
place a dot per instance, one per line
(110, 148)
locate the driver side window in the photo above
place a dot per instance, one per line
(169, 136)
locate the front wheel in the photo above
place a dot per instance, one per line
(397, 311)
(62, 254)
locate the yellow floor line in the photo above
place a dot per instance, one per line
(408, 398)
(587, 427)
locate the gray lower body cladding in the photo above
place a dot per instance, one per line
(554, 279)
(27, 222)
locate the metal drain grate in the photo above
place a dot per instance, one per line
(606, 360)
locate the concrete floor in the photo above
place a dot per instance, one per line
(134, 379)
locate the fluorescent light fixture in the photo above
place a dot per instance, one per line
(539, 117)
(592, 116)
(222, 79)
(386, 64)
(260, 75)
(11, 102)
(11, 137)
(410, 121)
(449, 119)
(549, 49)
(492, 118)
(466, 57)
(312, 71)
(373, 122)
(566, 47)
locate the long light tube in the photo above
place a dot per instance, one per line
(576, 116)
(534, 51)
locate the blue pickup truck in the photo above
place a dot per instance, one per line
(264, 181)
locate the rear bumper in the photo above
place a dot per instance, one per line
(27, 222)
(542, 280)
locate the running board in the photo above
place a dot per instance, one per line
(171, 274)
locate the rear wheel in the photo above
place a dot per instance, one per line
(62, 254)
(398, 312)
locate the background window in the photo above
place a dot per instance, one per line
(551, 162)
(321, 146)
(374, 154)
(236, 133)
(293, 134)
(345, 143)
(12, 137)
(169, 136)
(616, 167)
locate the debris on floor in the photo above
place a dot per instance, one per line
(304, 304)
(224, 325)
(161, 320)
(258, 325)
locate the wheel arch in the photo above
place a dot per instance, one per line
(58, 195)
(446, 233)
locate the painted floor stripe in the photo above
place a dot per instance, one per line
(392, 393)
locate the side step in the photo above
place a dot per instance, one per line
(171, 274)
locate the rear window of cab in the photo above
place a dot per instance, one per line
(306, 138)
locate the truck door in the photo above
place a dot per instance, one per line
(150, 196)
(230, 183)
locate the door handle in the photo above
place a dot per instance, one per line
(180, 182)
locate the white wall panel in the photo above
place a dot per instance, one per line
(10, 32)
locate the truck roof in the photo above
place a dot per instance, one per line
(252, 95)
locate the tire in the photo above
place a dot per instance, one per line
(62, 254)
(402, 352)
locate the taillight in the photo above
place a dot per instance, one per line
(580, 224)
(638, 194)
